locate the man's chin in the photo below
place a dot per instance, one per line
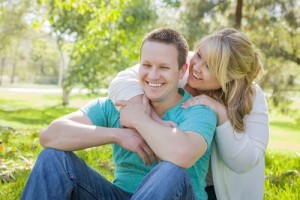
(153, 98)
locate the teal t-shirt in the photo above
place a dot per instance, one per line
(130, 168)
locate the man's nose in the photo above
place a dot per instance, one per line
(153, 74)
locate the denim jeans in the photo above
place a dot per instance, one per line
(63, 175)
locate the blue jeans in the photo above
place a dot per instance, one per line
(63, 175)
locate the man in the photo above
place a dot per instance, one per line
(59, 174)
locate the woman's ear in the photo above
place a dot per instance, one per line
(183, 70)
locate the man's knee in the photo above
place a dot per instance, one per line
(49, 155)
(168, 168)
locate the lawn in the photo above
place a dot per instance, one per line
(22, 116)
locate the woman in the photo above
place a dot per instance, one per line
(222, 75)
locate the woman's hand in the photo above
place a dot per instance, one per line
(205, 100)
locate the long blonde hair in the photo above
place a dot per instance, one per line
(236, 63)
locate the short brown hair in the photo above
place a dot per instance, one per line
(170, 36)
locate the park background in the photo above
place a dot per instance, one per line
(58, 55)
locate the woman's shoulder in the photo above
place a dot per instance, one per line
(259, 102)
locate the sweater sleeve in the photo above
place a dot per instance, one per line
(125, 85)
(243, 151)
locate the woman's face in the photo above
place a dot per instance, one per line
(200, 77)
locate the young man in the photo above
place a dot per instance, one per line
(59, 174)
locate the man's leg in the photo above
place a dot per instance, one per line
(62, 175)
(165, 181)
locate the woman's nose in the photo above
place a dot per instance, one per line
(197, 66)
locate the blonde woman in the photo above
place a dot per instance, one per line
(222, 75)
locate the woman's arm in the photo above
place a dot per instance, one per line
(125, 85)
(239, 151)
(243, 151)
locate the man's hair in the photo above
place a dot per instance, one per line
(169, 36)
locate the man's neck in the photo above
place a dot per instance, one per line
(161, 107)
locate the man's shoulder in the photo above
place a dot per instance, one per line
(101, 111)
(98, 104)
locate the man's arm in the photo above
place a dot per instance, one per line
(182, 148)
(75, 131)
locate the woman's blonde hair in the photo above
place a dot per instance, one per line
(236, 63)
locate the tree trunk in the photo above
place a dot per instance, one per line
(61, 69)
(238, 14)
(2, 69)
(12, 78)
(66, 93)
(62, 65)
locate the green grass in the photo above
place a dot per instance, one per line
(284, 133)
(20, 150)
(282, 175)
(22, 116)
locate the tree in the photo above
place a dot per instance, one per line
(272, 25)
(12, 27)
(100, 38)
(238, 14)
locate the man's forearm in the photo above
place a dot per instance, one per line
(68, 135)
(171, 144)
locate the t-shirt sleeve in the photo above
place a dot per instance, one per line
(200, 119)
(99, 111)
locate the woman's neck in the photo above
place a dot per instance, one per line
(215, 94)
(191, 90)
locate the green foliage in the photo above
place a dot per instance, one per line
(271, 25)
(104, 37)
(11, 23)
(101, 38)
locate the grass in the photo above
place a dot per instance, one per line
(22, 116)
(284, 133)
(282, 175)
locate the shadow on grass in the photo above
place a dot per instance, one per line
(34, 116)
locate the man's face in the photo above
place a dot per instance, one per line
(159, 71)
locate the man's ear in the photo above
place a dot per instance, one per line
(183, 70)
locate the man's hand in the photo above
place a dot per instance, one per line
(131, 140)
(132, 112)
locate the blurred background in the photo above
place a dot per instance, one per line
(79, 46)
(56, 55)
